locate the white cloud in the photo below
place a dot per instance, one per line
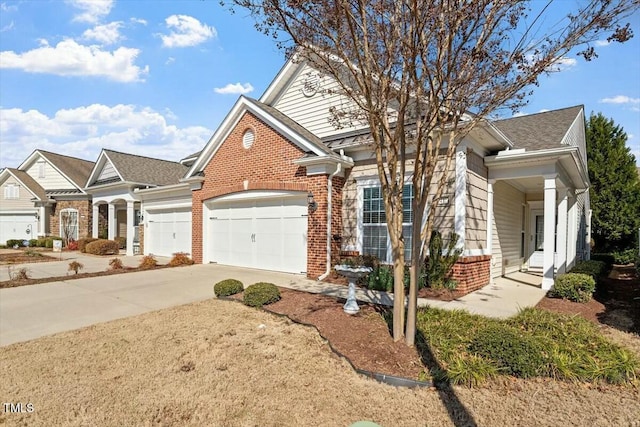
(563, 64)
(234, 88)
(602, 43)
(105, 34)
(6, 8)
(138, 21)
(92, 11)
(170, 60)
(84, 131)
(621, 99)
(68, 58)
(7, 27)
(186, 31)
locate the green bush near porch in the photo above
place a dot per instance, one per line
(463, 348)
(576, 287)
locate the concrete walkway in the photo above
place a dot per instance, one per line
(29, 312)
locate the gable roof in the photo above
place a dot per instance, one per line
(293, 131)
(140, 169)
(541, 130)
(74, 169)
(30, 183)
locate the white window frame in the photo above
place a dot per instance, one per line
(11, 191)
(360, 186)
(41, 169)
(77, 224)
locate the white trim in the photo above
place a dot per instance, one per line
(490, 215)
(460, 207)
(287, 71)
(476, 252)
(549, 231)
(229, 123)
(254, 194)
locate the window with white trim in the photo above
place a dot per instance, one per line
(41, 166)
(375, 237)
(11, 191)
(69, 224)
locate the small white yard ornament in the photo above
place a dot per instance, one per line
(352, 274)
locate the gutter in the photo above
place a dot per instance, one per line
(506, 156)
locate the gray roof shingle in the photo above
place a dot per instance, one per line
(539, 131)
(146, 170)
(75, 169)
(31, 183)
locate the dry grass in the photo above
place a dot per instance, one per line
(213, 363)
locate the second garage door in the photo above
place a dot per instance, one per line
(269, 233)
(168, 232)
(17, 226)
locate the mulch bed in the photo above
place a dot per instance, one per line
(22, 258)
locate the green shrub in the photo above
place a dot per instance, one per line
(228, 287)
(82, 243)
(576, 287)
(15, 242)
(624, 257)
(102, 247)
(33, 243)
(48, 241)
(381, 278)
(593, 268)
(518, 354)
(180, 258)
(638, 266)
(148, 262)
(438, 266)
(260, 294)
(606, 258)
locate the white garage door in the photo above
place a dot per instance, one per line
(269, 234)
(18, 226)
(168, 232)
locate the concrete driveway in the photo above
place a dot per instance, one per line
(30, 312)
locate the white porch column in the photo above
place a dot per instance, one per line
(561, 232)
(95, 219)
(130, 230)
(112, 221)
(460, 225)
(549, 231)
(42, 225)
(572, 232)
(490, 215)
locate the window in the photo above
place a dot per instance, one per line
(69, 224)
(375, 238)
(41, 169)
(11, 191)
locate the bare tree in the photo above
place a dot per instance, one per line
(68, 225)
(421, 74)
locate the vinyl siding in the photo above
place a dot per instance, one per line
(313, 112)
(53, 180)
(108, 172)
(507, 227)
(22, 203)
(476, 212)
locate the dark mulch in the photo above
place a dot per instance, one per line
(23, 258)
(616, 302)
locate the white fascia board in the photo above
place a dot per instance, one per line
(241, 106)
(176, 190)
(283, 76)
(506, 158)
(98, 165)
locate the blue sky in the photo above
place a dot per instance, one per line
(157, 77)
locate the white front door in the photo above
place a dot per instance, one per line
(268, 233)
(536, 240)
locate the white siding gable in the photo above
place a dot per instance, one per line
(53, 180)
(14, 196)
(309, 109)
(107, 172)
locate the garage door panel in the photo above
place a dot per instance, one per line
(265, 233)
(15, 226)
(169, 232)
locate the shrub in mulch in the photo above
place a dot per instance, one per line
(75, 266)
(115, 264)
(103, 247)
(180, 258)
(82, 243)
(148, 262)
(261, 293)
(228, 287)
(575, 287)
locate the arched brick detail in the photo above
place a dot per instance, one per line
(267, 165)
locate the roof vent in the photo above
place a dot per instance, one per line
(248, 138)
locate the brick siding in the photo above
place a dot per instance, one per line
(472, 273)
(267, 165)
(85, 213)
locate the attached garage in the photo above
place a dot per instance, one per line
(22, 226)
(168, 231)
(265, 230)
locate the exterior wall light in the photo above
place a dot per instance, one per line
(313, 206)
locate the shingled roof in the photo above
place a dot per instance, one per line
(75, 169)
(31, 183)
(146, 170)
(539, 131)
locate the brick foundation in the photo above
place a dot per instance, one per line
(472, 273)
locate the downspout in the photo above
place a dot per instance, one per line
(329, 216)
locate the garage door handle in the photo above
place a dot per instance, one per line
(174, 235)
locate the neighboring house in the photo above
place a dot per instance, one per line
(44, 196)
(114, 183)
(277, 187)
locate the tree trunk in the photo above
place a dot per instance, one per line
(398, 296)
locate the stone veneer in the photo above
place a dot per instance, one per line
(85, 212)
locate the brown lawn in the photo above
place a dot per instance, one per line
(219, 363)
